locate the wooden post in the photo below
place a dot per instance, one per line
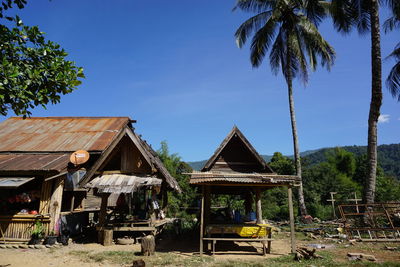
(103, 208)
(333, 203)
(291, 216)
(107, 237)
(258, 204)
(201, 221)
(102, 216)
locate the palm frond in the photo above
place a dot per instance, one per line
(391, 24)
(393, 79)
(277, 56)
(316, 43)
(251, 25)
(316, 10)
(254, 6)
(261, 42)
(298, 48)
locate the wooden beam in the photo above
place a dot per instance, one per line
(291, 216)
(202, 222)
(258, 206)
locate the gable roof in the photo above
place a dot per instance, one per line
(235, 132)
(59, 134)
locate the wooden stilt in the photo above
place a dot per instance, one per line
(291, 216)
(202, 222)
(102, 216)
(258, 204)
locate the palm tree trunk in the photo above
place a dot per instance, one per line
(289, 78)
(376, 102)
(302, 205)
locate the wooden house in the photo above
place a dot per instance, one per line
(38, 182)
(237, 169)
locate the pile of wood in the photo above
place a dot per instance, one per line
(306, 254)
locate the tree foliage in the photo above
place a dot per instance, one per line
(33, 71)
(179, 205)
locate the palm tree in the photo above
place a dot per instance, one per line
(288, 28)
(364, 16)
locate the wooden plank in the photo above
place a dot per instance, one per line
(291, 216)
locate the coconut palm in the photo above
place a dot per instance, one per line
(288, 29)
(364, 16)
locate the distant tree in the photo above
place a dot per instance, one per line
(33, 71)
(282, 165)
(289, 29)
(178, 203)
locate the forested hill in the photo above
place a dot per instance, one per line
(388, 157)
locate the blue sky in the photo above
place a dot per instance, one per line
(175, 68)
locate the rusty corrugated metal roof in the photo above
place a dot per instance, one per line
(33, 162)
(59, 134)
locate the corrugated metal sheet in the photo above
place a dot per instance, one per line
(33, 162)
(14, 182)
(56, 134)
(121, 183)
(230, 177)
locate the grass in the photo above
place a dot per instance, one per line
(126, 257)
(170, 259)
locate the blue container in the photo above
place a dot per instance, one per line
(238, 217)
(253, 216)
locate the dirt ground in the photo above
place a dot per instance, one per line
(187, 247)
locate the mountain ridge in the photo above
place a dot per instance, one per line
(388, 157)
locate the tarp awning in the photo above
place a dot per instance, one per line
(122, 183)
(14, 182)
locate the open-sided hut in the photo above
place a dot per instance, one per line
(38, 181)
(237, 169)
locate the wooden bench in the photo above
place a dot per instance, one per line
(262, 240)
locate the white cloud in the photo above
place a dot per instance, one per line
(384, 118)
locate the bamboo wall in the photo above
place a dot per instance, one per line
(19, 227)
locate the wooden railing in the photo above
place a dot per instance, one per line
(18, 227)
